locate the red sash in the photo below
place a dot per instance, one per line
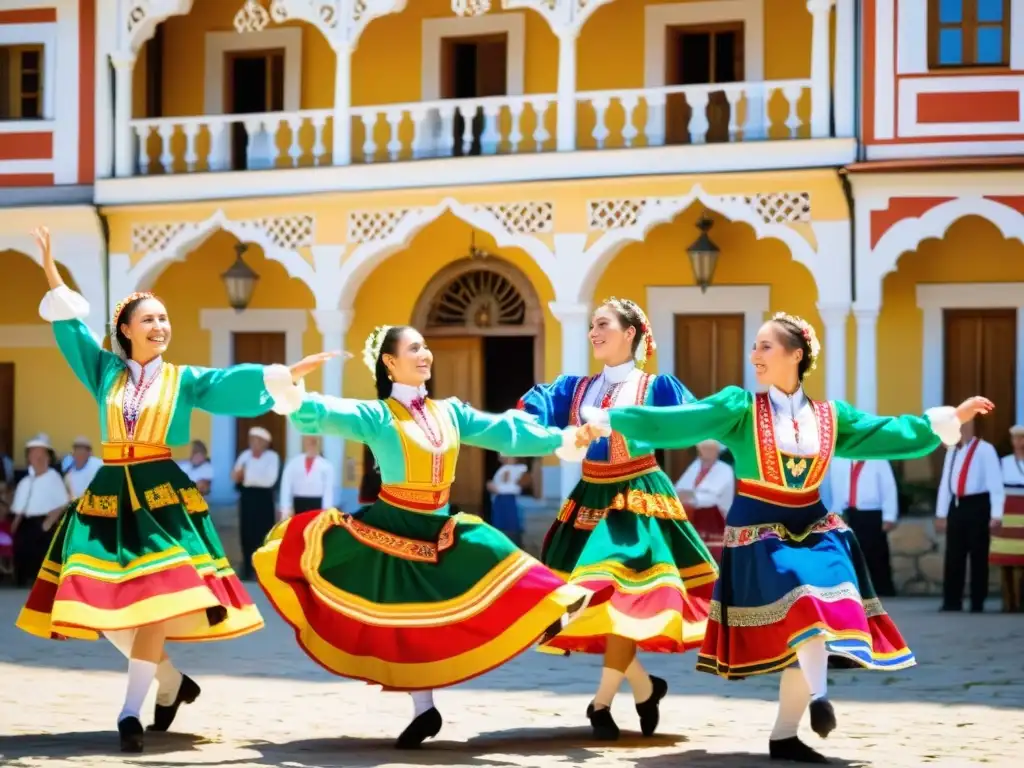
(961, 485)
(858, 467)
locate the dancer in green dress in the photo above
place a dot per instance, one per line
(137, 557)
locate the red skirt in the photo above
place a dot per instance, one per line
(710, 524)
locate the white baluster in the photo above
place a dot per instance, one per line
(600, 133)
(654, 130)
(369, 145)
(142, 134)
(166, 156)
(540, 131)
(756, 126)
(271, 127)
(629, 131)
(515, 133)
(394, 118)
(764, 127)
(468, 110)
(444, 142)
(420, 132)
(319, 148)
(217, 160)
(734, 93)
(697, 99)
(295, 150)
(252, 130)
(191, 128)
(793, 94)
(491, 136)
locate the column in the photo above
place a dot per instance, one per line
(566, 130)
(342, 136)
(821, 70)
(124, 147)
(833, 344)
(845, 75)
(575, 320)
(333, 324)
(867, 358)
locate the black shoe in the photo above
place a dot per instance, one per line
(977, 609)
(951, 609)
(823, 717)
(424, 726)
(603, 724)
(795, 751)
(188, 692)
(648, 710)
(131, 733)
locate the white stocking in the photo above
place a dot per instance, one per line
(813, 658)
(794, 696)
(168, 679)
(140, 678)
(639, 680)
(422, 701)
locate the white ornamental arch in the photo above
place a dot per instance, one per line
(661, 210)
(185, 238)
(397, 235)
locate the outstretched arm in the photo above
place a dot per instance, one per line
(516, 434)
(549, 404)
(717, 417)
(316, 414)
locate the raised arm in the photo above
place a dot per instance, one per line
(718, 417)
(66, 311)
(513, 433)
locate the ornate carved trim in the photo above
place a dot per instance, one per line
(286, 232)
(523, 218)
(769, 207)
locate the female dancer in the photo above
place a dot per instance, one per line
(137, 556)
(623, 526)
(404, 594)
(794, 586)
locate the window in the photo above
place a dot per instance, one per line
(968, 33)
(21, 82)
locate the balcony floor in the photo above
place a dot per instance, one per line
(752, 156)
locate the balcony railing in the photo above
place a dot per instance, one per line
(642, 117)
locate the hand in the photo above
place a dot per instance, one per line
(888, 526)
(940, 524)
(42, 238)
(995, 524)
(974, 406)
(237, 475)
(587, 434)
(309, 364)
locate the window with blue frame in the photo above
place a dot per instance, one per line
(968, 33)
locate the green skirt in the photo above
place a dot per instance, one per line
(408, 599)
(624, 527)
(138, 548)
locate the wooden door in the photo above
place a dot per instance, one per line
(709, 355)
(471, 68)
(701, 56)
(458, 372)
(265, 349)
(981, 359)
(6, 410)
(254, 83)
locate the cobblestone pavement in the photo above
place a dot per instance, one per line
(266, 704)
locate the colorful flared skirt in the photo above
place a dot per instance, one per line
(784, 583)
(138, 548)
(405, 599)
(1007, 548)
(624, 528)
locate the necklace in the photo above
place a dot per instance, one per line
(133, 406)
(420, 416)
(792, 418)
(610, 393)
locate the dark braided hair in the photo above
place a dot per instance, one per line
(791, 337)
(124, 317)
(389, 346)
(630, 316)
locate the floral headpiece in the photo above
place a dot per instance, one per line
(371, 349)
(808, 333)
(115, 345)
(647, 344)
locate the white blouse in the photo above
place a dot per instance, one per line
(39, 495)
(716, 488)
(317, 482)
(619, 381)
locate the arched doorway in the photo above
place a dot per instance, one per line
(484, 322)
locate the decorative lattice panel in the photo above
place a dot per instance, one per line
(369, 226)
(478, 299)
(523, 218)
(288, 232)
(615, 214)
(154, 237)
(778, 207)
(470, 7)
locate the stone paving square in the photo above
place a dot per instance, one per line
(265, 704)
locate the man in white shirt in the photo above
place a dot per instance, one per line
(308, 481)
(198, 467)
(707, 488)
(83, 467)
(969, 504)
(39, 501)
(256, 471)
(864, 492)
(1007, 551)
